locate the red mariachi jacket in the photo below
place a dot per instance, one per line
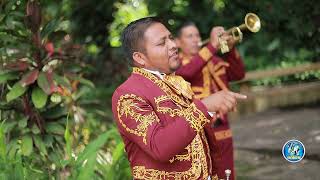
(210, 65)
(208, 72)
(161, 129)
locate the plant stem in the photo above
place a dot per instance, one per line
(36, 39)
(32, 114)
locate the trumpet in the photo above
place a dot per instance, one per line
(251, 23)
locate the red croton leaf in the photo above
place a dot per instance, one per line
(29, 77)
(17, 66)
(49, 48)
(46, 83)
(63, 91)
(53, 87)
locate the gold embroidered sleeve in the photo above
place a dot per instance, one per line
(195, 117)
(135, 115)
(193, 113)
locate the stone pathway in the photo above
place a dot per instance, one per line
(259, 140)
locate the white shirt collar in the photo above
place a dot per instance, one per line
(157, 73)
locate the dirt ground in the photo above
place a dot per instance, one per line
(259, 138)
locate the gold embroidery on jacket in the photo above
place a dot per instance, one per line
(210, 74)
(182, 157)
(177, 99)
(215, 72)
(179, 85)
(185, 61)
(205, 54)
(205, 90)
(127, 106)
(198, 166)
(192, 114)
(215, 177)
(208, 152)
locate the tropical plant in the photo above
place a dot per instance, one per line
(40, 85)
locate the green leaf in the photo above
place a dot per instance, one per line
(59, 139)
(8, 6)
(13, 147)
(3, 148)
(4, 77)
(50, 27)
(118, 152)
(44, 83)
(55, 128)
(63, 81)
(55, 98)
(26, 145)
(25, 131)
(65, 162)
(93, 147)
(39, 97)
(85, 82)
(55, 157)
(8, 126)
(87, 171)
(68, 140)
(55, 112)
(16, 91)
(23, 122)
(16, 13)
(7, 38)
(19, 168)
(40, 145)
(48, 140)
(35, 129)
(2, 16)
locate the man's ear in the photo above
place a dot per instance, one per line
(139, 58)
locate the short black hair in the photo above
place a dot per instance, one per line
(184, 25)
(132, 36)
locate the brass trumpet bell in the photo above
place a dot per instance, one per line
(251, 23)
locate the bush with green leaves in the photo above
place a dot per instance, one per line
(41, 85)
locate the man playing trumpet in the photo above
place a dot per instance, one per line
(208, 73)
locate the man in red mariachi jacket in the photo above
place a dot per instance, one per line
(159, 120)
(208, 73)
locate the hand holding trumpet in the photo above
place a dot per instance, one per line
(251, 23)
(218, 36)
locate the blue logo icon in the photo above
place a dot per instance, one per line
(293, 151)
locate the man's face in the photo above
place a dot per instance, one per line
(189, 40)
(161, 51)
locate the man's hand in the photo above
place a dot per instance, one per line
(214, 36)
(231, 41)
(222, 101)
(219, 32)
